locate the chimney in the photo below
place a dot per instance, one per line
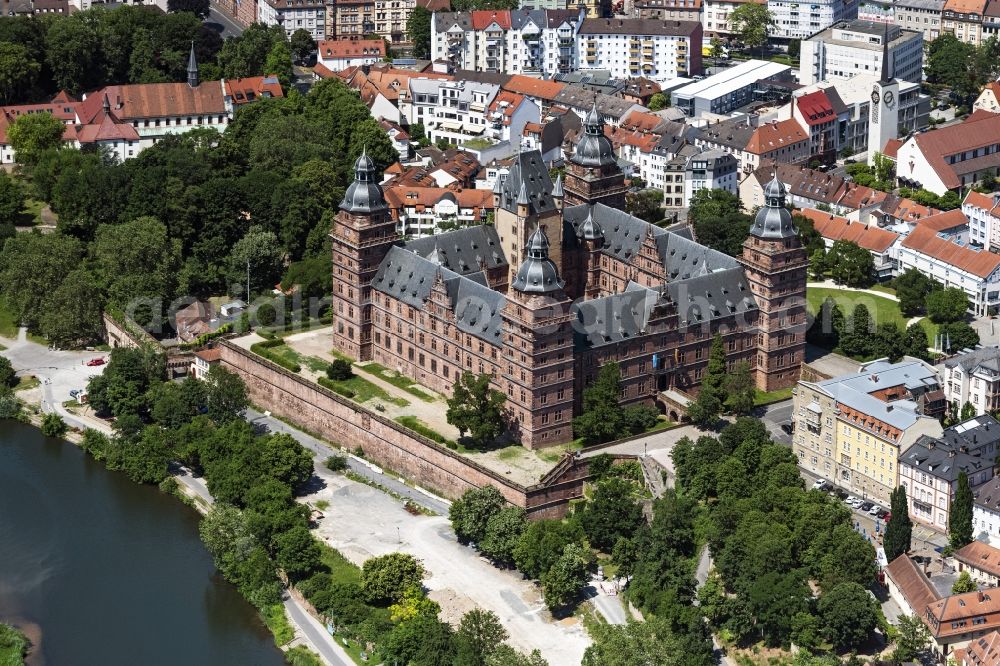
(888, 408)
(980, 596)
(951, 453)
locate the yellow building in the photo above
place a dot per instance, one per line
(852, 430)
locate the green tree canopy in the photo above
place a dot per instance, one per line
(752, 24)
(849, 615)
(386, 579)
(850, 264)
(418, 29)
(612, 513)
(960, 517)
(302, 44)
(471, 513)
(477, 409)
(899, 530)
(719, 220)
(947, 305)
(563, 582)
(31, 134)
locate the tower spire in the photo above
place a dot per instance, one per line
(885, 54)
(192, 69)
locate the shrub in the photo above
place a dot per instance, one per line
(339, 370)
(263, 349)
(336, 388)
(53, 426)
(336, 463)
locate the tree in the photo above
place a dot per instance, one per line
(602, 419)
(912, 288)
(957, 336)
(386, 579)
(478, 637)
(960, 518)
(279, 63)
(259, 253)
(505, 655)
(503, 533)
(285, 459)
(31, 134)
(18, 72)
(774, 599)
(297, 552)
(542, 543)
(899, 530)
(968, 412)
(225, 395)
(658, 102)
(612, 514)
(562, 583)
(849, 614)
(740, 389)
(856, 339)
(817, 265)
(7, 377)
(751, 23)
(850, 264)
(719, 220)
(137, 260)
(645, 204)
(947, 305)
(947, 64)
(471, 513)
(199, 8)
(339, 370)
(53, 425)
(72, 52)
(915, 341)
(705, 410)
(794, 48)
(418, 29)
(404, 642)
(477, 409)
(10, 406)
(302, 44)
(964, 583)
(912, 638)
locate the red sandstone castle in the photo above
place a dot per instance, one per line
(563, 282)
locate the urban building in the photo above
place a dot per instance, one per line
(294, 15)
(552, 291)
(535, 42)
(356, 19)
(425, 211)
(923, 16)
(973, 377)
(982, 561)
(953, 157)
(793, 20)
(945, 255)
(709, 169)
(338, 54)
(715, 16)
(668, 10)
(651, 48)
(964, 19)
(850, 48)
(881, 243)
(983, 213)
(779, 141)
(984, 651)
(929, 469)
(809, 188)
(730, 89)
(853, 429)
(989, 98)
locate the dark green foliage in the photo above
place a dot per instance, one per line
(7, 376)
(565, 579)
(957, 336)
(899, 530)
(850, 264)
(302, 44)
(960, 530)
(849, 615)
(542, 543)
(947, 305)
(53, 425)
(123, 387)
(602, 419)
(471, 513)
(297, 552)
(856, 339)
(339, 370)
(479, 635)
(719, 220)
(197, 7)
(225, 395)
(503, 533)
(705, 410)
(477, 409)
(828, 325)
(418, 29)
(336, 463)
(912, 288)
(612, 514)
(385, 579)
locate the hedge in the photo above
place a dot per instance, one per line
(263, 349)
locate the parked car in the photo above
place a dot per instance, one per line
(851, 500)
(819, 484)
(865, 506)
(857, 502)
(839, 493)
(75, 392)
(874, 511)
(882, 513)
(787, 428)
(96, 361)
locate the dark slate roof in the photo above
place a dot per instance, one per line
(969, 446)
(462, 250)
(409, 277)
(528, 168)
(987, 357)
(611, 319)
(708, 296)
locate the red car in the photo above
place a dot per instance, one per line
(96, 361)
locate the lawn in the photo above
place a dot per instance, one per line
(276, 620)
(28, 382)
(881, 309)
(363, 390)
(397, 380)
(416, 425)
(8, 325)
(342, 570)
(768, 397)
(289, 354)
(13, 646)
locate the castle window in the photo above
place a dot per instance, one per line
(421, 361)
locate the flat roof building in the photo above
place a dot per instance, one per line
(728, 90)
(854, 47)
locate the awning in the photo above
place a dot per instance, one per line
(454, 125)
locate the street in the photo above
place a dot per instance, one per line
(222, 23)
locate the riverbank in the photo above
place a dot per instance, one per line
(14, 646)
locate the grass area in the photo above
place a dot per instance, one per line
(8, 324)
(2, 348)
(293, 357)
(360, 389)
(554, 454)
(397, 380)
(342, 570)
(13, 646)
(477, 144)
(416, 425)
(31, 214)
(300, 655)
(28, 382)
(276, 620)
(884, 289)
(322, 505)
(767, 397)
(881, 309)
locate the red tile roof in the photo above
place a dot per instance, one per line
(482, 19)
(641, 120)
(951, 219)
(816, 108)
(953, 616)
(242, 91)
(532, 87)
(984, 201)
(840, 228)
(912, 584)
(351, 48)
(891, 147)
(423, 197)
(925, 240)
(981, 556)
(106, 127)
(979, 130)
(209, 355)
(775, 135)
(156, 100)
(983, 651)
(513, 100)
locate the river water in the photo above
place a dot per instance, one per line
(101, 571)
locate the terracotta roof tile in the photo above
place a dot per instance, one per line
(840, 228)
(891, 147)
(773, 136)
(156, 100)
(951, 219)
(984, 201)
(816, 108)
(984, 651)
(982, 556)
(924, 239)
(954, 615)
(483, 18)
(912, 584)
(979, 130)
(533, 87)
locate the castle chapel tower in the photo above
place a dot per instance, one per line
(775, 264)
(537, 365)
(592, 174)
(362, 235)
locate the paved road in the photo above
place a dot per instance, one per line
(230, 28)
(316, 633)
(324, 450)
(774, 416)
(608, 605)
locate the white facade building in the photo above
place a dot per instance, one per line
(983, 213)
(974, 378)
(710, 169)
(294, 15)
(795, 20)
(339, 54)
(650, 48)
(855, 47)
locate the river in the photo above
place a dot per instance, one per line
(99, 570)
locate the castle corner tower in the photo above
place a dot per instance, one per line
(362, 235)
(775, 265)
(592, 173)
